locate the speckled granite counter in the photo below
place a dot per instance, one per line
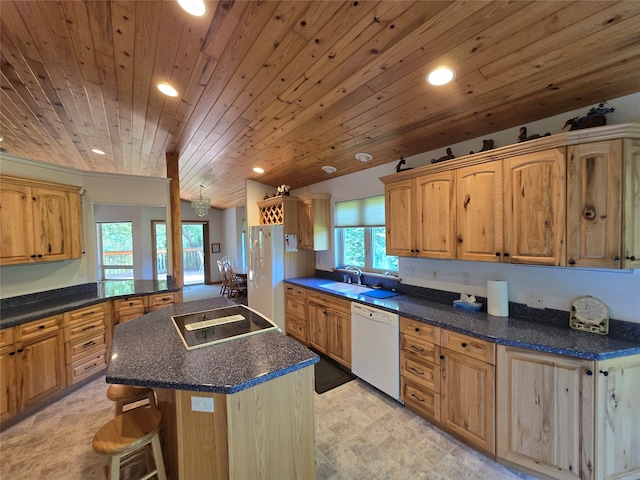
(148, 351)
(544, 336)
(26, 308)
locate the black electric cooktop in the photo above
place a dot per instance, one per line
(209, 327)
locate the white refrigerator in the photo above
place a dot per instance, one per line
(266, 272)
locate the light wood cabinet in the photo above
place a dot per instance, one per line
(330, 326)
(535, 206)
(296, 313)
(38, 361)
(128, 308)
(8, 393)
(40, 221)
(436, 215)
(420, 368)
(468, 389)
(400, 215)
(86, 341)
(479, 212)
(603, 187)
(159, 300)
(568, 418)
(314, 222)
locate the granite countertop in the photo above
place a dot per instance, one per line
(26, 308)
(148, 351)
(555, 337)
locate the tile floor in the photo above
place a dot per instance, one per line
(360, 434)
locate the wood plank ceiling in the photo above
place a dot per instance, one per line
(294, 85)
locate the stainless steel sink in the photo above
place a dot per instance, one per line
(346, 288)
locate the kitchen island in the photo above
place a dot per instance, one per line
(259, 388)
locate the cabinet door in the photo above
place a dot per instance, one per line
(617, 435)
(594, 205)
(545, 412)
(399, 211)
(16, 223)
(40, 368)
(436, 215)
(52, 224)
(8, 397)
(318, 322)
(305, 219)
(535, 206)
(468, 404)
(340, 337)
(631, 222)
(479, 212)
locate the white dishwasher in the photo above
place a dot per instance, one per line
(375, 349)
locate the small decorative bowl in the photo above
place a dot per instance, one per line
(473, 307)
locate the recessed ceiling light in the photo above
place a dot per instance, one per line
(441, 76)
(167, 89)
(258, 170)
(98, 151)
(193, 7)
(329, 169)
(364, 157)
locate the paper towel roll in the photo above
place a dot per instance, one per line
(497, 298)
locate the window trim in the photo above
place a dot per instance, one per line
(368, 250)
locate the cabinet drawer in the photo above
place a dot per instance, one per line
(86, 367)
(471, 346)
(40, 327)
(83, 314)
(426, 374)
(81, 329)
(297, 329)
(296, 291)
(424, 331)
(124, 305)
(154, 302)
(295, 308)
(329, 301)
(416, 346)
(6, 337)
(423, 401)
(87, 345)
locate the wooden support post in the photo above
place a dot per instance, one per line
(176, 221)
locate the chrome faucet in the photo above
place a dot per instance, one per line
(357, 271)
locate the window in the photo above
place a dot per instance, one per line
(361, 238)
(116, 250)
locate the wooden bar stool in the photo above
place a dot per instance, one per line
(127, 394)
(126, 435)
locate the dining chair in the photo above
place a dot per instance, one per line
(235, 288)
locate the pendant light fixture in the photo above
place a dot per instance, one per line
(201, 204)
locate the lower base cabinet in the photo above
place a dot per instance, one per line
(330, 326)
(568, 418)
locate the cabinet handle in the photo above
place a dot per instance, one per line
(33, 256)
(21, 350)
(417, 329)
(417, 372)
(417, 349)
(41, 327)
(506, 254)
(571, 261)
(421, 400)
(616, 258)
(632, 258)
(91, 366)
(464, 344)
(88, 328)
(498, 254)
(441, 357)
(12, 353)
(605, 373)
(589, 372)
(39, 255)
(89, 344)
(88, 313)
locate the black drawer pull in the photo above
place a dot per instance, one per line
(417, 372)
(91, 366)
(605, 373)
(464, 344)
(88, 328)
(41, 327)
(589, 372)
(89, 344)
(417, 349)
(421, 400)
(441, 357)
(88, 313)
(632, 258)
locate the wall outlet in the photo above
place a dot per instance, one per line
(202, 404)
(434, 274)
(535, 300)
(465, 278)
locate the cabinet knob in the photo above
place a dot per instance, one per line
(588, 372)
(464, 344)
(441, 357)
(12, 353)
(417, 329)
(632, 258)
(571, 261)
(33, 256)
(21, 350)
(605, 373)
(616, 258)
(41, 327)
(506, 254)
(498, 254)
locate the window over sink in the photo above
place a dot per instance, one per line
(360, 235)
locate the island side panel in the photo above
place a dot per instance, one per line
(271, 429)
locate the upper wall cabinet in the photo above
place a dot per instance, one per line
(315, 222)
(40, 221)
(603, 193)
(567, 199)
